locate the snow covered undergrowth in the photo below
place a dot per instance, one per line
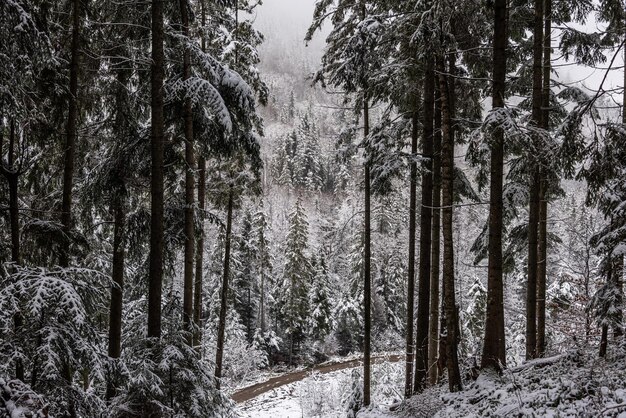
(577, 384)
(326, 395)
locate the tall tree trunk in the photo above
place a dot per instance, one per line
(618, 266)
(70, 138)
(410, 304)
(367, 287)
(423, 299)
(115, 310)
(190, 168)
(219, 352)
(542, 256)
(442, 361)
(533, 210)
(68, 166)
(197, 295)
(155, 276)
(447, 186)
(494, 355)
(197, 292)
(433, 333)
(12, 175)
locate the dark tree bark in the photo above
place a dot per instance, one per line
(71, 133)
(190, 168)
(12, 174)
(433, 333)
(604, 340)
(367, 287)
(423, 300)
(442, 361)
(115, 311)
(535, 183)
(542, 256)
(197, 292)
(197, 295)
(618, 265)
(410, 304)
(155, 276)
(447, 186)
(68, 166)
(219, 353)
(493, 355)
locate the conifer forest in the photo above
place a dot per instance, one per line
(312, 208)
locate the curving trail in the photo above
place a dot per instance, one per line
(253, 391)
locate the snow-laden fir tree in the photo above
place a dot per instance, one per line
(292, 298)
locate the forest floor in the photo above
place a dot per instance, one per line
(573, 384)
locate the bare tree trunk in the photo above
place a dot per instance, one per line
(115, 310)
(219, 353)
(190, 161)
(447, 185)
(442, 362)
(197, 292)
(542, 256)
(494, 355)
(197, 295)
(70, 139)
(12, 174)
(410, 306)
(423, 299)
(533, 210)
(367, 288)
(68, 166)
(433, 333)
(618, 267)
(604, 340)
(155, 277)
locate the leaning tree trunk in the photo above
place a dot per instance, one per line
(155, 276)
(494, 355)
(410, 304)
(542, 255)
(433, 332)
(367, 286)
(190, 168)
(447, 186)
(219, 352)
(533, 210)
(423, 300)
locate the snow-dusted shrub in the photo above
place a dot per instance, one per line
(58, 341)
(321, 397)
(166, 376)
(17, 400)
(354, 401)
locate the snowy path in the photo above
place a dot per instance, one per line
(317, 392)
(260, 388)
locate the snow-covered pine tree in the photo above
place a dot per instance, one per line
(293, 295)
(320, 302)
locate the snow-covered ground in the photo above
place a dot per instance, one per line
(324, 395)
